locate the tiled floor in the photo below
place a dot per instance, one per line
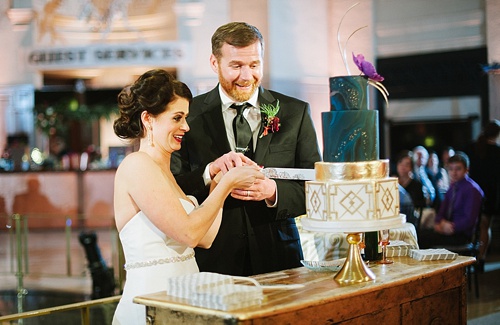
(488, 303)
(53, 280)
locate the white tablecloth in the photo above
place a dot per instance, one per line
(329, 246)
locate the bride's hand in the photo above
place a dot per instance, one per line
(228, 161)
(243, 176)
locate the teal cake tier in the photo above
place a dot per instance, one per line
(349, 93)
(350, 129)
(350, 136)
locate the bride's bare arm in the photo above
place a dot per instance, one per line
(155, 195)
(208, 239)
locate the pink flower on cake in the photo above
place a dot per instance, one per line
(366, 67)
(374, 79)
(271, 121)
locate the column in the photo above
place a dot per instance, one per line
(492, 11)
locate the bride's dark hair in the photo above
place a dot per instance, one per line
(152, 92)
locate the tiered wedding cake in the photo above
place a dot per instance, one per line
(352, 190)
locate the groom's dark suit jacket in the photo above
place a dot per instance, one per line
(269, 235)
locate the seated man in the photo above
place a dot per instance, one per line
(460, 210)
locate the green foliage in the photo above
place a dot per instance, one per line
(56, 118)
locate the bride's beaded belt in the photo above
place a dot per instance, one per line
(173, 259)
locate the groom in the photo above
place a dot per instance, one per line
(258, 232)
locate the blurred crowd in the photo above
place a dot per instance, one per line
(448, 194)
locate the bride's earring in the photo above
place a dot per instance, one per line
(150, 137)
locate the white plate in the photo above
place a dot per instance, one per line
(324, 266)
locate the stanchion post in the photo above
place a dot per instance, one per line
(85, 313)
(67, 230)
(12, 244)
(21, 291)
(25, 244)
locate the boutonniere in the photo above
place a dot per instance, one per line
(271, 121)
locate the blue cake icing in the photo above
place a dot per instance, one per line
(350, 129)
(349, 93)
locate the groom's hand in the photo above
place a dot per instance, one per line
(262, 189)
(228, 161)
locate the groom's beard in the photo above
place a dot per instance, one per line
(232, 90)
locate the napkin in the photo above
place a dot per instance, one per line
(399, 248)
(216, 291)
(432, 254)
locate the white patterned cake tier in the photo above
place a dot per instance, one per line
(354, 226)
(358, 200)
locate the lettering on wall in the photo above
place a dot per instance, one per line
(160, 54)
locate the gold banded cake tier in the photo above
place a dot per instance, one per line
(357, 196)
(346, 171)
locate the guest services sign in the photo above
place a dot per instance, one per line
(106, 55)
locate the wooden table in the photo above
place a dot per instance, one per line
(406, 292)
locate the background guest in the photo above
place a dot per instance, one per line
(446, 153)
(457, 217)
(438, 177)
(420, 158)
(404, 169)
(485, 169)
(258, 232)
(406, 206)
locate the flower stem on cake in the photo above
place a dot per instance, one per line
(367, 69)
(342, 49)
(271, 121)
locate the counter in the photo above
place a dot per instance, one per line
(406, 292)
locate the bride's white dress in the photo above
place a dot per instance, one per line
(151, 257)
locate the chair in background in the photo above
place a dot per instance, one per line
(470, 249)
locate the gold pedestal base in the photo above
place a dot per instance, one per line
(354, 269)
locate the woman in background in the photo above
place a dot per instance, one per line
(438, 177)
(404, 168)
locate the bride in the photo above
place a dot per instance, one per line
(158, 224)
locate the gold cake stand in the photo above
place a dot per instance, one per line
(354, 269)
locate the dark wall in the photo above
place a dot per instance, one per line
(434, 135)
(443, 74)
